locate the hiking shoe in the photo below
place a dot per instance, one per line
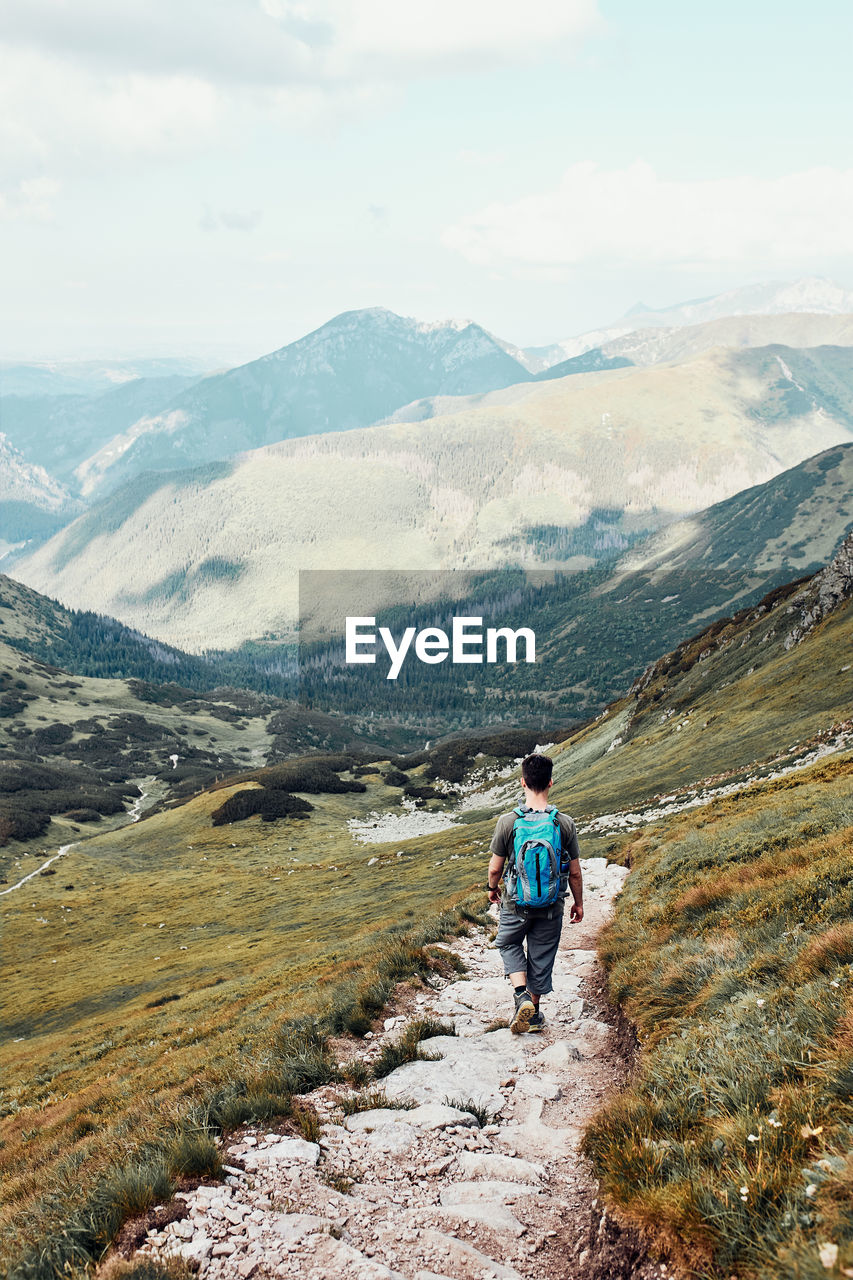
(537, 1022)
(524, 1011)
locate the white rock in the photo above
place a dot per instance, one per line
(392, 1139)
(295, 1226)
(199, 1248)
(491, 1214)
(437, 1115)
(533, 1138)
(590, 1037)
(494, 1191)
(530, 1086)
(459, 1254)
(376, 1118)
(335, 1258)
(469, 1070)
(488, 1165)
(286, 1151)
(557, 1055)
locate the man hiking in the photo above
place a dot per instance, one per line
(541, 847)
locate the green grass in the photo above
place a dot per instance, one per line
(372, 1100)
(748, 699)
(482, 1114)
(66, 1194)
(407, 1048)
(276, 937)
(732, 951)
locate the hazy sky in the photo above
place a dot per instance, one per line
(221, 176)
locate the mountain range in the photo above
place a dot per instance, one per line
(811, 295)
(33, 504)
(349, 373)
(380, 440)
(93, 425)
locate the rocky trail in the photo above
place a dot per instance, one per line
(421, 1189)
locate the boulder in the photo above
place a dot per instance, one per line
(287, 1151)
(477, 1164)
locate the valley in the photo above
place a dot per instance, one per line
(163, 963)
(222, 853)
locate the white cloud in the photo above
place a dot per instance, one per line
(230, 219)
(30, 200)
(392, 39)
(630, 217)
(55, 112)
(96, 79)
(275, 43)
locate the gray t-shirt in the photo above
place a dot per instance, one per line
(502, 839)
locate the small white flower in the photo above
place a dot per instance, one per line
(835, 984)
(811, 1190)
(775, 1124)
(744, 1193)
(753, 1137)
(760, 1003)
(828, 1254)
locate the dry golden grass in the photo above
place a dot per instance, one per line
(731, 950)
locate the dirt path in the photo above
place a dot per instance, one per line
(427, 1193)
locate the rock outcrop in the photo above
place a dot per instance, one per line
(826, 591)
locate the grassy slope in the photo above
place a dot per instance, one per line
(242, 946)
(747, 701)
(731, 950)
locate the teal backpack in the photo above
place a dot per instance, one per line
(538, 876)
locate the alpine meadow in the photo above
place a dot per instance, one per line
(426, 642)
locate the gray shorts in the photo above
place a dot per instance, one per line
(541, 933)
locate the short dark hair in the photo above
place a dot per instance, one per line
(536, 771)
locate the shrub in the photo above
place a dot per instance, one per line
(421, 793)
(238, 1104)
(411, 761)
(269, 804)
(149, 1269)
(314, 774)
(394, 778)
(19, 824)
